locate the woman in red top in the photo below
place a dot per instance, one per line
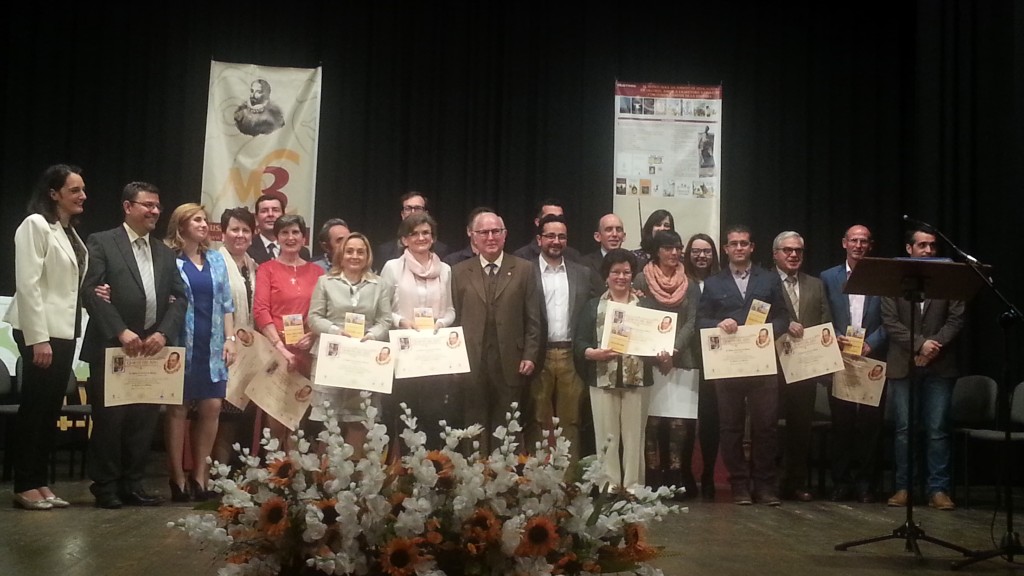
(283, 288)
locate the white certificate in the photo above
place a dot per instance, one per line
(750, 351)
(348, 363)
(283, 395)
(638, 331)
(861, 381)
(816, 354)
(425, 354)
(157, 379)
(253, 353)
(674, 395)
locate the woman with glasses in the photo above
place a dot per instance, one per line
(419, 288)
(664, 286)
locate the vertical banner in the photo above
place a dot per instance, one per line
(668, 150)
(262, 127)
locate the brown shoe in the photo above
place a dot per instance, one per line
(941, 501)
(898, 500)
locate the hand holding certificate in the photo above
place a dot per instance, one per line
(350, 363)
(815, 354)
(861, 381)
(426, 354)
(749, 351)
(157, 379)
(638, 331)
(283, 394)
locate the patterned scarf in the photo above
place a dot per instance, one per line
(668, 290)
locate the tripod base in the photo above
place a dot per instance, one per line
(1009, 547)
(911, 533)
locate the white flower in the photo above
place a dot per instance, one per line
(532, 566)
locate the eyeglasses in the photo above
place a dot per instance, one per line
(148, 205)
(789, 251)
(413, 208)
(552, 236)
(701, 251)
(739, 244)
(491, 232)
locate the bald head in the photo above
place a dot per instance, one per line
(610, 232)
(857, 243)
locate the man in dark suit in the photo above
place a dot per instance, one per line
(807, 306)
(556, 389)
(146, 307)
(496, 303)
(724, 304)
(856, 428)
(937, 324)
(264, 246)
(412, 203)
(531, 251)
(469, 251)
(609, 236)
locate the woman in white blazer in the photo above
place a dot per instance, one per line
(46, 312)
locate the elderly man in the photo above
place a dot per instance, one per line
(496, 302)
(807, 306)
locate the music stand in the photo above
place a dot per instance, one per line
(913, 279)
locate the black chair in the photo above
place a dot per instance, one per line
(76, 438)
(973, 409)
(10, 389)
(993, 435)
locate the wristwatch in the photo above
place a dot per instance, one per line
(231, 338)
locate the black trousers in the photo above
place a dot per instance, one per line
(42, 396)
(856, 443)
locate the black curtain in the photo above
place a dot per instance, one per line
(834, 113)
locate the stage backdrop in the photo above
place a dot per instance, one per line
(668, 150)
(262, 127)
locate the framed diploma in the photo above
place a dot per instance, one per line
(348, 363)
(750, 351)
(157, 379)
(816, 354)
(283, 395)
(674, 395)
(253, 351)
(861, 381)
(425, 354)
(638, 331)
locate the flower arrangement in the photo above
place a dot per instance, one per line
(429, 513)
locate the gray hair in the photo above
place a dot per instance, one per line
(786, 236)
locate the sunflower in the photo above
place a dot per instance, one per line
(636, 548)
(482, 527)
(540, 536)
(274, 516)
(399, 557)
(327, 507)
(281, 472)
(228, 514)
(445, 469)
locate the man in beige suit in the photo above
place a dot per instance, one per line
(496, 303)
(807, 305)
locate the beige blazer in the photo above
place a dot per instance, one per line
(47, 281)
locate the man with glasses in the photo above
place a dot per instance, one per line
(269, 207)
(531, 251)
(724, 304)
(143, 313)
(497, 304)
(412, 203)
(807, 306)
(609, 236)
(556, 390)
(856, 428)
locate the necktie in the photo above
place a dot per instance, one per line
(794, 297)
(145, 261)
(492, 276)
(272, 250)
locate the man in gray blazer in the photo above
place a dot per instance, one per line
(146, 307)
(936, 326)
(807, 306)
(496, 303)
(556, 389)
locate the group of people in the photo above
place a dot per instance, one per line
(532, 320)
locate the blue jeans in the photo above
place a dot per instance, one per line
(933, 397)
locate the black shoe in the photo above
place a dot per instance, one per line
(691, 487)
(767, 497)
(801, 495)
(741, 496)
(200, 494)
(108, 501)
(867, 497)
(139, 497)
(179, 493)
(707, 488)
(841, 493)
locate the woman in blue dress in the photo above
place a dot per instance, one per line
(208, 335)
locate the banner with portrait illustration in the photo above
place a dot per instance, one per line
(668, 156)
(262, 130)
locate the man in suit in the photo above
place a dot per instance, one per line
(724, 304)
(937, 324)
(609, 236)
(412, 203)
(556, 389)
(264, 247)
(531, 251)
(807, 306)
(146, 307)
(332, 234)
(856, 428)
(496, 303)
(469, 251)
